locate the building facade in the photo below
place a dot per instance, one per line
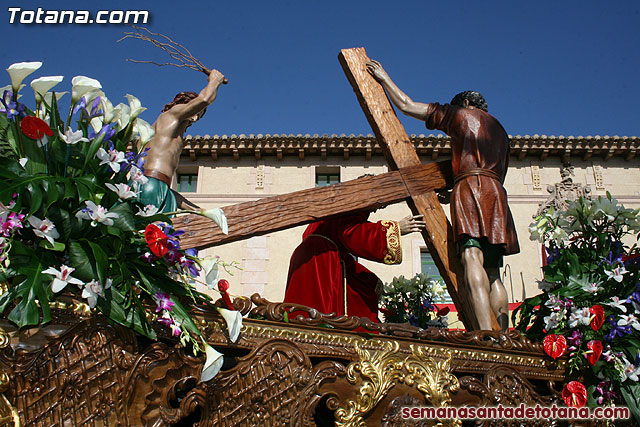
(223, 170)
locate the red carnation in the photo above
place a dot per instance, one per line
(574, 394)
(595, 350)
(156, 240)
(597, 317)
(554, 345)
(35, 128)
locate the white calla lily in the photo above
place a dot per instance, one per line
(19, 71)
(144, 129)
(48, 97)
(218, 216)
(135, 106)
(234, 322)
(110, 114)
(211, 272)
(96, 124)
(9, 88)
(124, 115)
(43, 85)
(83, 85)
(212, 365)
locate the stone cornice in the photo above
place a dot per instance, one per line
(433, 146)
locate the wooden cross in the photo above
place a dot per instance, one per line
(411, 181)
(400, 153)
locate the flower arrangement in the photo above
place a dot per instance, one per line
(70, 220)
(411, 300)
(590, 302)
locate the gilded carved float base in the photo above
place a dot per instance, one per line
(86, 371)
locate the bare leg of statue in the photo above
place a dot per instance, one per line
(479, 285)
(499, 299)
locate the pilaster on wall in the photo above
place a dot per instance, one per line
(254, 276)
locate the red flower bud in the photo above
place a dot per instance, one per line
(223, 285)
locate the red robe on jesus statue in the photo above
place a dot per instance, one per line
(323, 273)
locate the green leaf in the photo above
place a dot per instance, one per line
(93, 149)
(181, 313)
(81, 258)
(112, 306)
(63, 221)
(56, 247)
(25, 313)
(29, 290)
(125, 220)
(156, 280)
(51, 193)
(68, 190)
(631, 393)
(36, 197)
(102, 261)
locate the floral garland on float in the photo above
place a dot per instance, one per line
(589, 308)
(413, 301)
(70, 220)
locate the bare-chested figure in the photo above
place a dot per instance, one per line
(165, 147)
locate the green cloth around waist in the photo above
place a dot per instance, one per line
(158, 194)
(492, 253)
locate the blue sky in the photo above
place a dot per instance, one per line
(546, 67)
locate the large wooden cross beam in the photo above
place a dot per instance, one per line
(411, 181)
(400, 153)
(276, 213)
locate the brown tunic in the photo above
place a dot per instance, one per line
(478, 203)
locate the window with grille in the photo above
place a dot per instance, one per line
(428, 266)
(187, 183)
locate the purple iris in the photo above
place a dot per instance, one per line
(11, 108)
(81, 105)
(188, 264)
(107, 130)
(634, 297)
(616, 330)
(164, 302)
(173, 244)
(552, 254)
(134, 159)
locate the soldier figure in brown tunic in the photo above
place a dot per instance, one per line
(482, 222)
